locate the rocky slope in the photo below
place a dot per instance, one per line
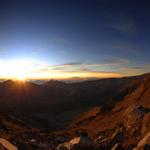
(129, 120)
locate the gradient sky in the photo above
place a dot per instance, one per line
(74, 38)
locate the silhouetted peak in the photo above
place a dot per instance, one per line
(54, 83)
(8, 82)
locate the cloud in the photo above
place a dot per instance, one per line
(66, 65)
(48, 73)
(114, 61)
(135, 70)
(138, 68)
(122, 24)
(39, 70)
(73, 64)
(84, 70)
(74, 69)
(79, 66)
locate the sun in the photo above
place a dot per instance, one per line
(18, 69)
(21, 77)
(24, 69)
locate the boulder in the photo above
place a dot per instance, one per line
(6, 145)
(76, 143)
(133, 117)
(144, 143)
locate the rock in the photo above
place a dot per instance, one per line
(100, 138)
(7, 145)
(80, 140)
(2, 148)
(133, 117)
(115, 147)
(33, 140)
(62, 147)
(109, 142)
(61, 139)
(118, 136)
(144, 143)
(74, 144)
(103, 144)
(146, 123)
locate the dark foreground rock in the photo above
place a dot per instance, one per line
(6, 145)
(77, 143)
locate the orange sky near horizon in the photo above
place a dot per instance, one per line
(24, 69)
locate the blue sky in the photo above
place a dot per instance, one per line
(99, 38)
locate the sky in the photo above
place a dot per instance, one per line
(44, 39)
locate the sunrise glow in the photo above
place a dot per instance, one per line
(16, 69)
(25, 69)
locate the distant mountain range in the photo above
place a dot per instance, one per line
(56, 97)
